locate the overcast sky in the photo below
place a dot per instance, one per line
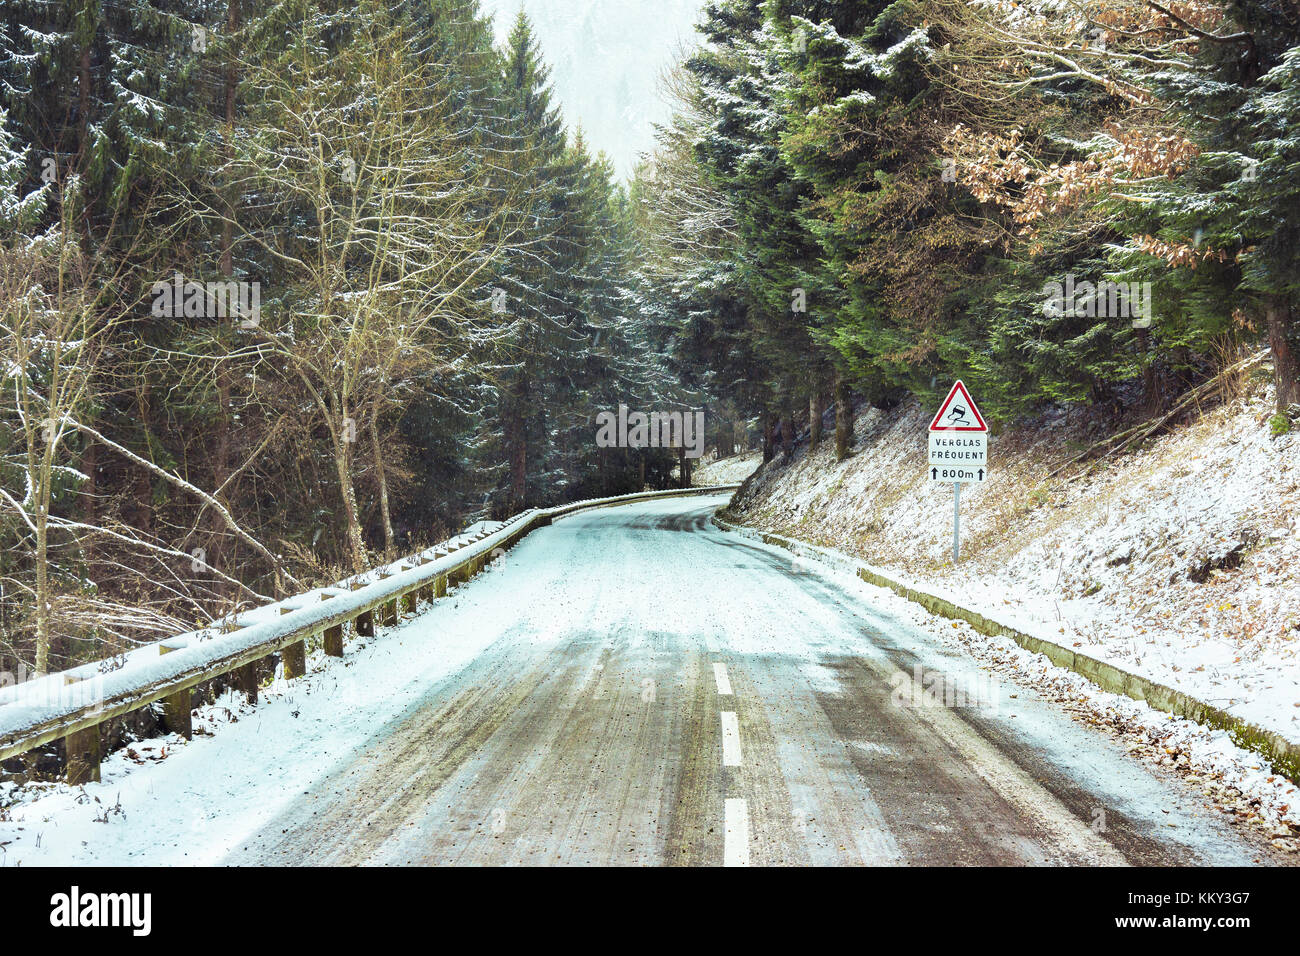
(606, 57)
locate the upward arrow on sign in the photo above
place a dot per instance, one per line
(958, 413)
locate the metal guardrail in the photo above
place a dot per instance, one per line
(73, 704)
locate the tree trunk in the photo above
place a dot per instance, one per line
(89, 489)
(40, 472)
(232, 87)
(769, 445)
(516, 435)
(142, 506)
(1286, 371)
(220, 471)
(1150, 391)
(843, 419)
(83, 134)
(519, 472)
(816, 406)
(347, 491)
(376, 450)
(44, 638)
(221, 467)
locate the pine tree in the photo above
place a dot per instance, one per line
(743, 86)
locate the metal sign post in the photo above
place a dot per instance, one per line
(958, 451)
(956, 521)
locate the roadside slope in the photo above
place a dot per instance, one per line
(1180, 562)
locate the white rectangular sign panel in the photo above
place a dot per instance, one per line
(955, 448)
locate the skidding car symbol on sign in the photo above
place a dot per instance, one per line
(959, 413)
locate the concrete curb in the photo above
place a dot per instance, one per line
(1282, 754)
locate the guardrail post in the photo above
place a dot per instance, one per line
(245, 680)
(365, 621)
(295, 660)
(387, 610)
(294, 656)
(334, 641)
(82, 756)
(440, 586)
(176, 714)
(425, 591)
(408, 602)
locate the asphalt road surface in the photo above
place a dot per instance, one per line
(667, 693)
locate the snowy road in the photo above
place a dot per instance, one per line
(668, 693)
(633, 686)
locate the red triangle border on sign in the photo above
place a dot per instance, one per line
(959, 389)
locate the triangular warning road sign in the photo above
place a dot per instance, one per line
(958, 413)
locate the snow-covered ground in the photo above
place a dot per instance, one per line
(206, 795)
(726, 471)
(605, 573)
(1180, 562)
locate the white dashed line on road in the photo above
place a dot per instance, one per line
(735, 812)
(730, 739)
(735, 843)
(723, 681)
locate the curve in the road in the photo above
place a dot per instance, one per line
(669, 694)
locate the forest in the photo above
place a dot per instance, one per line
(286, 288)
(863, 201)
(291, 286)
